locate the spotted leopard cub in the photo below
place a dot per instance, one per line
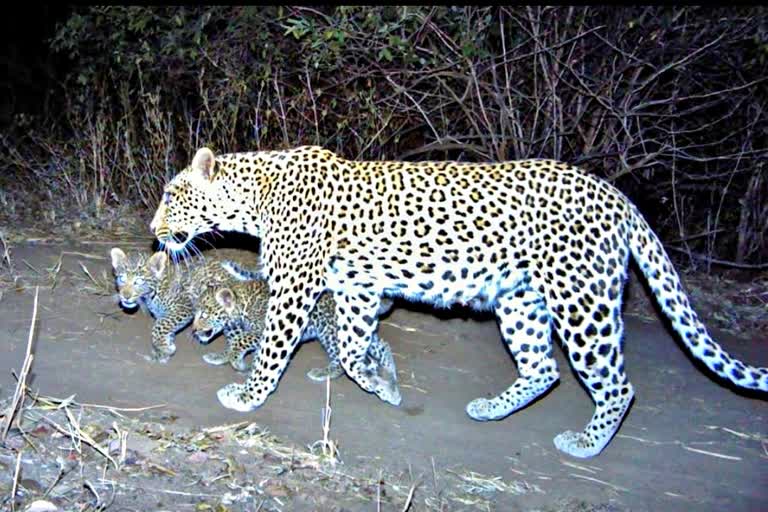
(167, 292)
(239, 312)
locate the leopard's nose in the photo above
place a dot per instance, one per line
(157, 222)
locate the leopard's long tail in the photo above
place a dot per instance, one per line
(668, 290)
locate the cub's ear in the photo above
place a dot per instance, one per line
(157, 263)
(204, 163)
(118, 258)
(226, 299)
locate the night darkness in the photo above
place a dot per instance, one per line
(31, 73)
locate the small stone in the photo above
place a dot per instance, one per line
(41, 506)
(198, 458)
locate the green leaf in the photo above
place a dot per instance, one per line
(298, 28)
(385, 54)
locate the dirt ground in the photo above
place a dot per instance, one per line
(688, 442)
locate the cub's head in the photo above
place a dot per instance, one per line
(206, 196)
(136, 276)
(215, 309)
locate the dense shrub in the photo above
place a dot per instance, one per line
(669, 103)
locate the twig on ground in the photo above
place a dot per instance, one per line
(21, 385)
(60, 402)
(6, 254)
(30, 266)
(53, 272)
(78, 436)
(329, 449)
(711, 454)
(223, 428)
(612, 486)
(411, 492)
(15, 485)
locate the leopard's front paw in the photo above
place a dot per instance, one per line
(234, 396)
(576, 444)
(481, 409)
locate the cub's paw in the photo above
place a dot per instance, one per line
(163, 355)
(239, 364)
(233, 396)
(332, 371)
(575, 444)
(216, 358)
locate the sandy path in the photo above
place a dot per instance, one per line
(672, 452)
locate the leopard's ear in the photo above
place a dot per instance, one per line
(118, 258)
(204, 163)
(226, 299)
(157, 263)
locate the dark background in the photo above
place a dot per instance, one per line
(31, 72)
(100, 105)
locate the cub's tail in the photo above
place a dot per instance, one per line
(241, 273)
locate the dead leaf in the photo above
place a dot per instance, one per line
(154, 467)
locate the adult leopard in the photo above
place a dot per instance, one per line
(541, 243)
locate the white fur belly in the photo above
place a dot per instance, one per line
(443, 288)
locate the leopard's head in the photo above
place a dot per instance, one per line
(136, 276)
(209, 195)
(215, 310)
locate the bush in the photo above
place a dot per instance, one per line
(668, 103)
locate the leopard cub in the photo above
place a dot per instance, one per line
(167, 292)
(239, 312)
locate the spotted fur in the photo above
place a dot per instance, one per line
(539, 242)
(167, 292)
(239, 312)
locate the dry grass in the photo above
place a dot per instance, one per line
(113, 456)
(329, 450)
(102, 284)
(5, 259)
(21, 385)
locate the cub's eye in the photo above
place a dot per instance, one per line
(138, 281)
(120, 279)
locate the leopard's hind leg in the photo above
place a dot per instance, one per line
(595, 353)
